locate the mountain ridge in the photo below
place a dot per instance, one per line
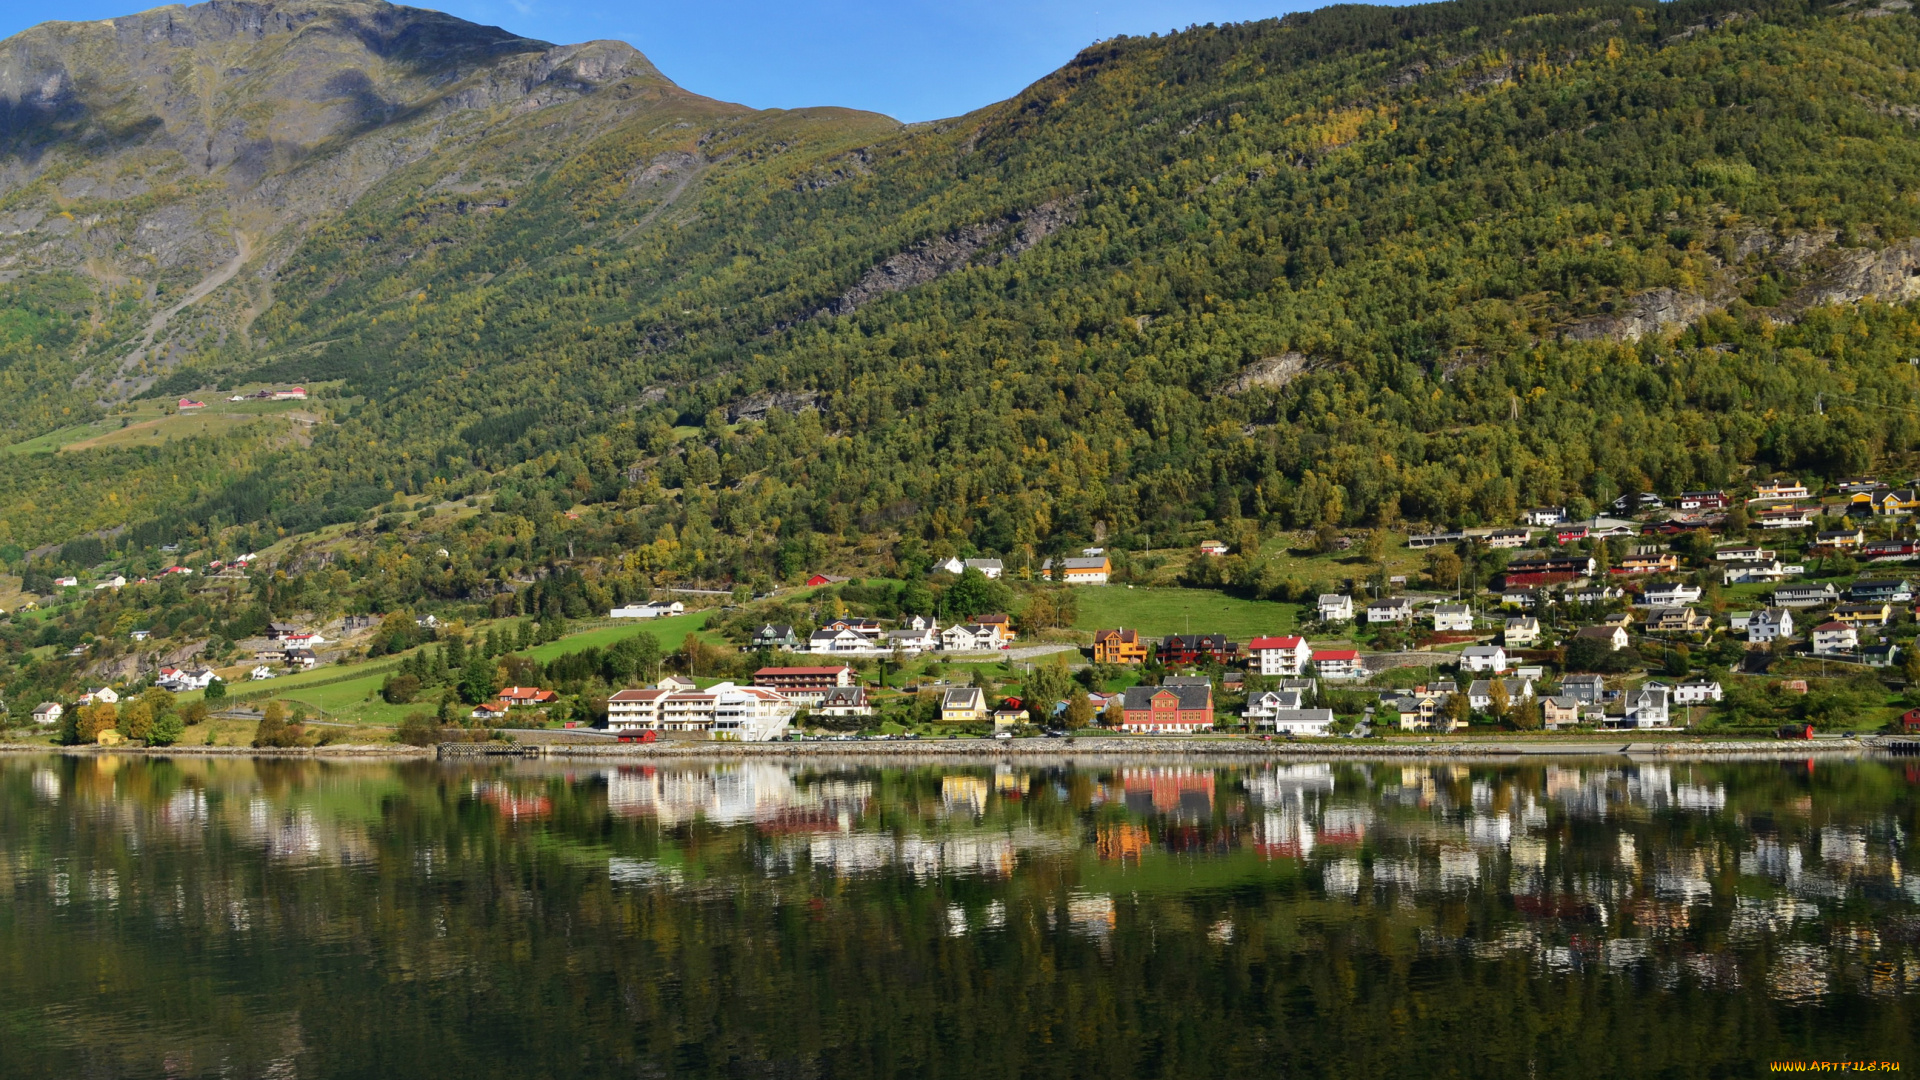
(1359, 266)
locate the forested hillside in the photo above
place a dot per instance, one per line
(1361, 266)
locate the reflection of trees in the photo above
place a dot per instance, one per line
(409, 920)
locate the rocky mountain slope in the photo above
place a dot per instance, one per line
(1356, 266)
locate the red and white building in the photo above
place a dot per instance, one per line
(805, 685)
(1336, 665)
(1284, 655)
(526, 695)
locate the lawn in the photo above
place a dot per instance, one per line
(150, 423)
(670, 631)
(1160, 611)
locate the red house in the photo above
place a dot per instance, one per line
(1911, 720)
(818, 580)
(526, 695)
(1176, 706)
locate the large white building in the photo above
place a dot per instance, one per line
(722, 712)
(1286, 655)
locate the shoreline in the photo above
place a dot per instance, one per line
(1037, 749)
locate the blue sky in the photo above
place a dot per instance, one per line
(911, 59)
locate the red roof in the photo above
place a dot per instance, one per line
(1283, 642)
(1835, 625)
(819, 579)
(1335, 654)
(526, 693)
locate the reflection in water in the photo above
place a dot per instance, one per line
(200, 917)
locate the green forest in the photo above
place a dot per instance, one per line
(1362, 266)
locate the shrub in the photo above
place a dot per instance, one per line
(400, 689)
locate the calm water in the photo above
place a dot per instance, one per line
(1596, 919)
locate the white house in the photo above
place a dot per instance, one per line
(1280, 711)
(1546, 515)
(1647, 707)
(1286, 655)
(1480, 692)
(915, 639)
(647, 611)
(1769, 623)
(180, 680)
(1696, 692)
(1524, 630)
(972, 638)
(66, 582)
(722, 712)
(1805, 595)
(1336, 607)
(1835, 637)
(1671, 595)
(1396, 609)
(114, 582)
(1742, 573)
(1338, 664)
(260, 673)
(989, 568)
(1450, 617)
(104, 694)
(1484, 658)
(48, 712)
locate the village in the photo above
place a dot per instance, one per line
(1649, 619)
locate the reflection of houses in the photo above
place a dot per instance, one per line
(1168, 789)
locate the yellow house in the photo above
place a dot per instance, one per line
(1864, 614)
(966, 705)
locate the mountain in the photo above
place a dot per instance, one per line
(1359, 266)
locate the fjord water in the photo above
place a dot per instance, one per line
(202, 917)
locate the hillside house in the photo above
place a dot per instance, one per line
(520, 696)
(1547, 515)
(1702, 500)
(1280, 711)
(1198, 649)
(1121, 646)
(1520, 631)
(1586, 689)
(805, 685)
(963, 705)
(776, 636)
(1559, 711)
(913, 639)
(1479, 658)
(1743, 573)
(1678, 620)
(1176, 706)
(1660, 596)
(1864, 614)
(1647, 707)
(1285, 655)
(647, 611)
(1767, 490)
(845, 701)
(1880, 590)
(1805, 596)
(1785, 517)
(1840, 539)
(1743, 553)
(1696, 692)
(48, 712)
(1614, 637)
(1480, 693)
(1397, 609)
(1213, 547)
(1335, 607)
(1769, 624)
(1645, 561)
(1452, 618)
(1831, 638)
(1087, 570)
(1338, 665)
(996, 619)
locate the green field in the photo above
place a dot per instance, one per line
(670, 631)
(1160, 611)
